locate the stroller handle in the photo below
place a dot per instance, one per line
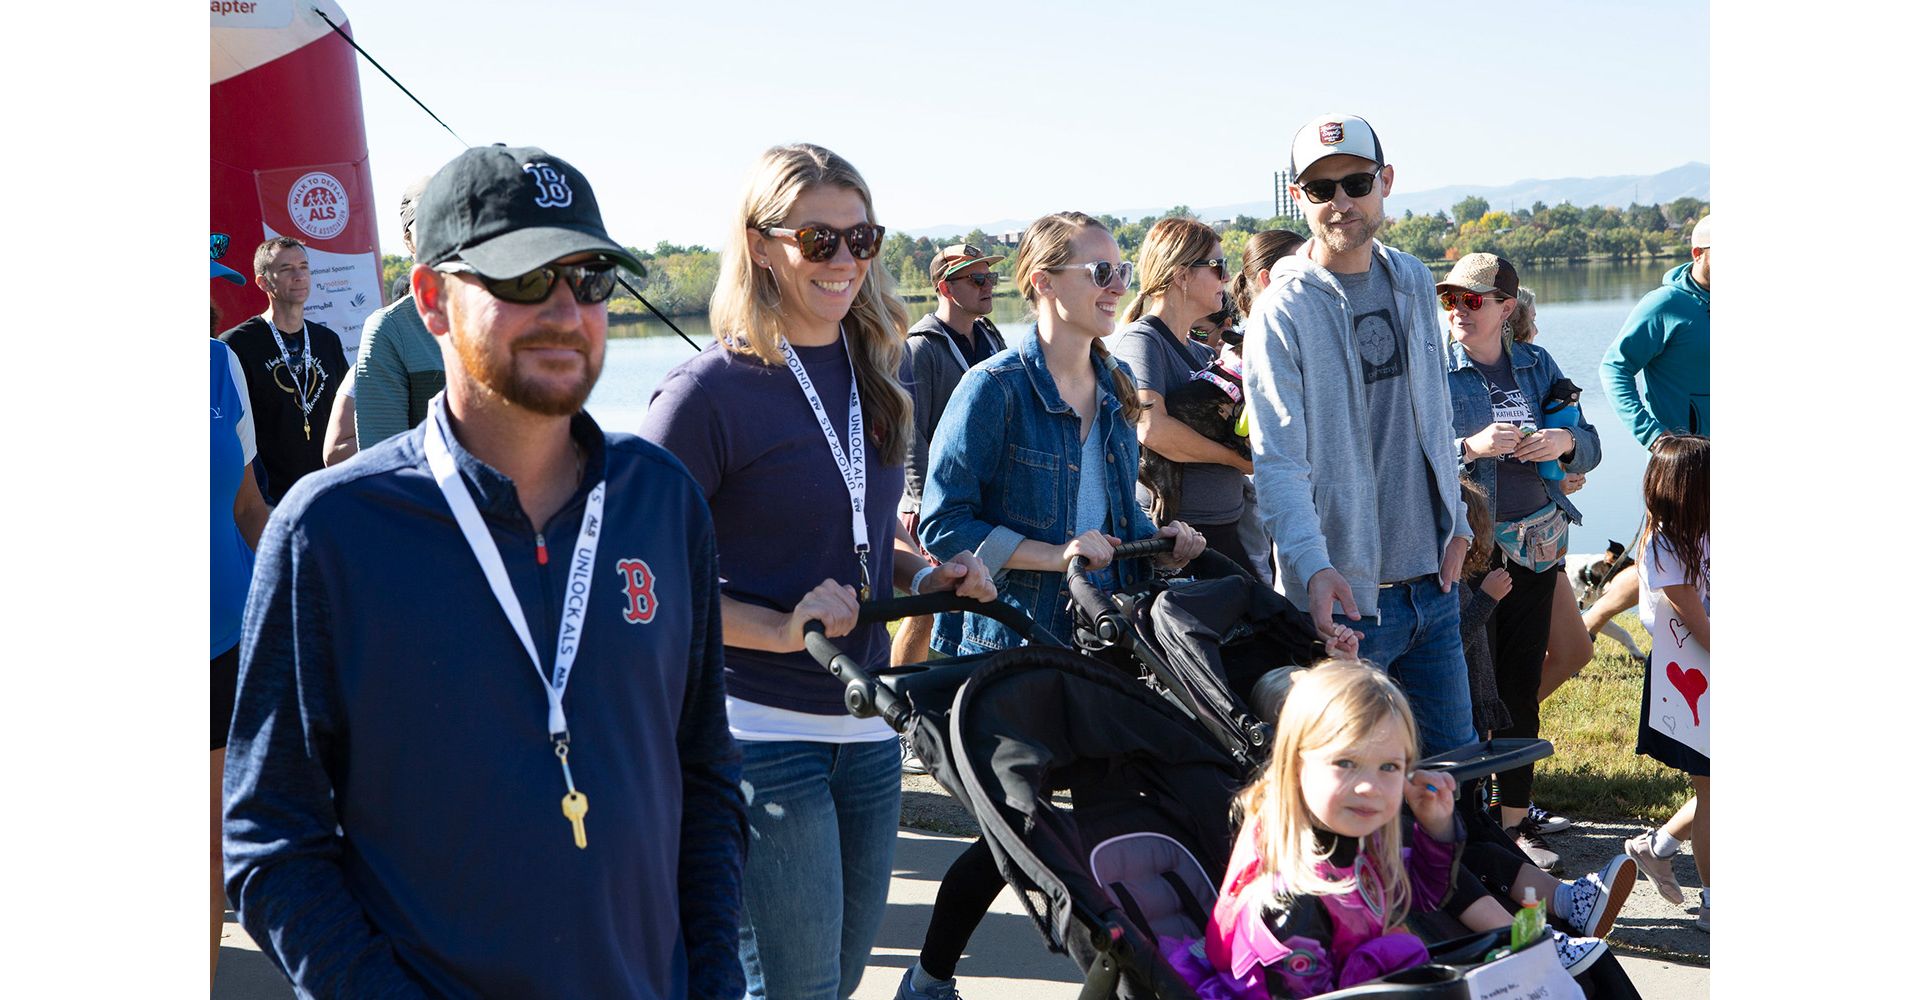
(1108, 623)
(865, 698)
(892, 609)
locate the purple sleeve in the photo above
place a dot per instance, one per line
(1430, 865)
(682, 419)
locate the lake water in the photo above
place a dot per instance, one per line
(1581, 309)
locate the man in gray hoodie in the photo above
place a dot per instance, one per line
(1354, 456)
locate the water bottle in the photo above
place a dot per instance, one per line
(1561, 408)
(1529, 923)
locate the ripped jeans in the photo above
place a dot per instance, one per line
(822, 818)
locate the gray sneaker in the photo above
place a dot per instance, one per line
(1526, 836)
(1702, 921)
(1577, 954)
(1598, 896)
(1658, 870)
(940, 989)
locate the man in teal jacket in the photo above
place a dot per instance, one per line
(1666, 336)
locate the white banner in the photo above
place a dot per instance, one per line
(1678, 698)
(345, 291)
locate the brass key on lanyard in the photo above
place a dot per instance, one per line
(573, 805)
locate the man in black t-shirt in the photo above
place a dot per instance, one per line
(293, 369)
(946, 342)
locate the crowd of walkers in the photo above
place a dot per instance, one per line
(400, 809)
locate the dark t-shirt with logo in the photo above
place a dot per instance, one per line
(1409, 506)
(1518, 489)
(289, 437)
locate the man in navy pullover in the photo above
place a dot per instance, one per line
(414, 807)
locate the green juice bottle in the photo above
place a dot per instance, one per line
(1529, 923)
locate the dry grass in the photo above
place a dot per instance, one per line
(1592, 721)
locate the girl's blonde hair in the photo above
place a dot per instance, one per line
(1335, 704)
(1046, 244)
(1172, 244)
(745, 310)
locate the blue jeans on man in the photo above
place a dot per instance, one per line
(1416, 640)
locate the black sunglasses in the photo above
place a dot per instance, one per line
(986, 280)
(592, 282)
(217, 244)
(1219, 265)
(820, 243)
(1355, 185)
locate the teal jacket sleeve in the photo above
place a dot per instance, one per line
(1642, 339)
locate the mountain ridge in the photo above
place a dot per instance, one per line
(1688, 180)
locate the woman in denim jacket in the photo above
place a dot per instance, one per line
(1004, 479)
(1500, 390)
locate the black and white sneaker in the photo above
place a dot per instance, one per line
(1546, 821)
(1577, 954)
(1598, 896)
(909, 761)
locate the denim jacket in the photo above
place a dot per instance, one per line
(1004, 467)
(1534, 371)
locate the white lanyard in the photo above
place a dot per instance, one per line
(306, 361)
(579, 573)
(852, 461)
(957, 356)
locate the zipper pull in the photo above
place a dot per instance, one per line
(540, 548)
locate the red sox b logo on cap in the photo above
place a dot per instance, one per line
(1332, 133)
(554, 192)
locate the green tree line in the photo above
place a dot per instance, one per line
(680, 279)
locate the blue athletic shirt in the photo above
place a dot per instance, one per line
(231, 562)
(393, 823)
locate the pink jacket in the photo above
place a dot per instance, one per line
(1349, 946)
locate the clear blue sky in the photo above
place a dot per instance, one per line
(968, 115)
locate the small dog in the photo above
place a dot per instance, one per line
(1210, 403)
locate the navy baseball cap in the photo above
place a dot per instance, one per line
(506, 210)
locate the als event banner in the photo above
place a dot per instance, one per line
(288, 157)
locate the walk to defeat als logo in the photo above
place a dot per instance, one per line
(639, 587)
(317, 204)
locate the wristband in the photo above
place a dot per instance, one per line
(914, 587)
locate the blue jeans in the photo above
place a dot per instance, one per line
(1417, 641)
(821, 819)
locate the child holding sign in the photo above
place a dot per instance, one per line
(1675, 605)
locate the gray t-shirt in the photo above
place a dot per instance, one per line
(1409, 505)
(1210, 494)
(1518, 489)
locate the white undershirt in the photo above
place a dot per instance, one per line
(763, 723)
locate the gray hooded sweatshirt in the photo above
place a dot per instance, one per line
(1312, 446)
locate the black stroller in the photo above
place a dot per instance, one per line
(1150, 771)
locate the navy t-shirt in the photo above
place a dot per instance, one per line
(781, 516)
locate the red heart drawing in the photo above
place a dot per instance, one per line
(1691, 684)
(1680, 632)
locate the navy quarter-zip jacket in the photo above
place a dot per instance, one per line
(392, 798)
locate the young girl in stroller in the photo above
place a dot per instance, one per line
(1319, 885)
